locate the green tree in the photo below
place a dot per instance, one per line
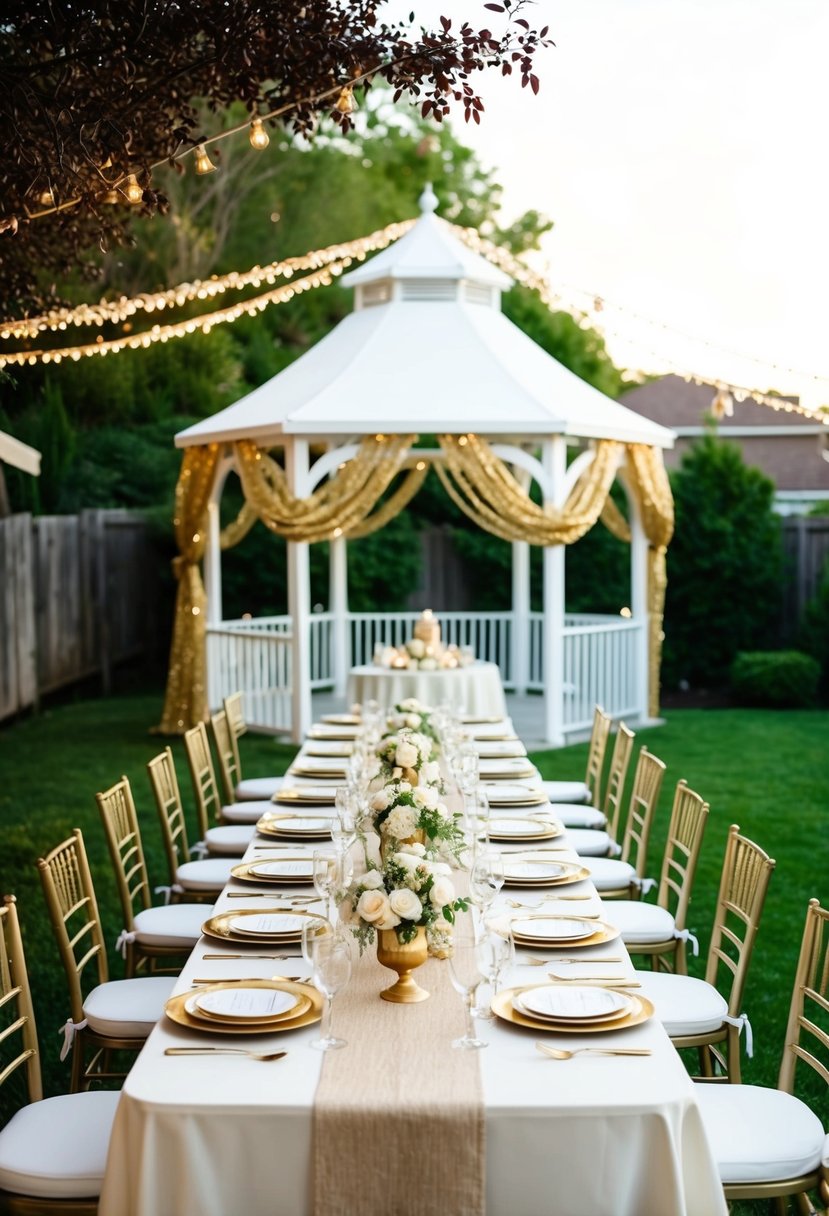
(724, 564)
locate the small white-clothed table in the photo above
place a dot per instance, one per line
(476, 688)
(592, 1136)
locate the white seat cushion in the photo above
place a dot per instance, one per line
(57, 1148)
(566, 791)
(588, 842)
(246, 812)
(209, 875)
(175, 925)
(573, 815)
(825, 1156)
(609, 874)
(231, 841)
(641, 922)
(683, 1004)
(128, 1009)
(758, 1134)
(258, 787)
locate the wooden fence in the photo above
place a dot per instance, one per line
(806, 553)
(77, 596)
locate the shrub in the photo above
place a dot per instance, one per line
(813, 636)
(776, 679)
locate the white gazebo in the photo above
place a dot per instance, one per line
(427, 350)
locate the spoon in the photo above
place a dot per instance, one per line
(555, 1053)
(224, 1051)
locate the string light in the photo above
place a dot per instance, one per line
(723, 404)
(345, 103)
(46, 198)
(132, 191)
(203, 162)
(122, 309)
(258, 137)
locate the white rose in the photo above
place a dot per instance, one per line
(428, 664)
(443, 810)
(415, 850)
(416, 648)
(442, 893)
(373, 906)
(426, 796)
(380, 801)
(372, 880)
(440, 869)
(405, 904)
(405, 787)
(406, 859)
(410, 705)
(405, 754)
(388, 656)
(389, 921)
(400, 823)
(430, 773)
(411, 720)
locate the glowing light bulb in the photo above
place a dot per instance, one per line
(46, 198)
(132, 191)
(258, 137)
(345, 103)
(203, 162)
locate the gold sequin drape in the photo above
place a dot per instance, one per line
(185, 702)
(483, 487)
(393, 505)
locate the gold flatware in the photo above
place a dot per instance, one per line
(532, 961)
(246, 979)
(557, 1053)
(224, 1051)
(272, 957)
(600, 981)
(294, 899)
(515, 903)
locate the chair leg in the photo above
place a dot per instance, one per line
(734, 1073)
(706, 1065)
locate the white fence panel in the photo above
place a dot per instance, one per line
(256, 661)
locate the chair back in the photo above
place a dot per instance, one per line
(644, 795)
(745, 880)
(616, 778)
(203, 775)
(73, 911)
(164, 783)
(806, 1038)
(18, 1036)
(596, 754)
(234, 707)
(117, 809)
(227, 752)
(689, 816)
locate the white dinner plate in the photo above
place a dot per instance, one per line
(267, 925)
(507, 794)
(534, 871)
(295, 867)
(521, 829)
(554, 928)
(243, 1004)
(572, 1003)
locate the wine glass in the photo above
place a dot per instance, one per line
(477, 817)
(312, 927)
(486, 879)
(344, 823)
(332, 873)
(495, 952)
(466, 761)
(331, 970)
(465, 973)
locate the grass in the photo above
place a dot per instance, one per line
(764, 770)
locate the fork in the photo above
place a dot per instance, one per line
(559, 1053)
(515, 903)
(272, 957)
(604, 981)
(224, 1051)
(530, 961)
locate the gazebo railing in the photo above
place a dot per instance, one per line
(600, 658)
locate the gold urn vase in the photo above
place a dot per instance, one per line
(402, 958)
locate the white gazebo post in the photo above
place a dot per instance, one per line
(213, 578)
(640, 608)
(554, 461)
(520, 633)
(299, 597)
(338, 603)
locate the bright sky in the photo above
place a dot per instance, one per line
(681, 148)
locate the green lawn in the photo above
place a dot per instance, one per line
(763, 770)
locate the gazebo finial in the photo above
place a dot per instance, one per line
(428, 201)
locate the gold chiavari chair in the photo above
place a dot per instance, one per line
(228, 840)
(52, 1150)
(624, 877)
(105, 1015)
(660, 930)
(694, 1012)
(768, 1143)
(203, 879)
(576, 816)
(247, 811)
(589, 790)
(150, 934)
(251, 788)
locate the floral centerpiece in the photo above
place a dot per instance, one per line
(400, 812)
(407, 755)
(411, 714)
(407, 893)
(424, 651)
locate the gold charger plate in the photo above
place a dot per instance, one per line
(280, 826)
(602, 932)
(500, 749)
(547, 830)
(246, 871)
(506, 774)
(341, 720)
(220, 926)
(328, 749)
(502, 1007)
(324, 771)
(313, 795)
(176, 1012)
(573, 872)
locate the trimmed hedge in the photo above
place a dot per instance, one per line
(776, 679)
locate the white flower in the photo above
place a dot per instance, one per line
(372, 880)
(443, 810)
(405, 754)
(389, 921)
(404, 787)
(371, 849)
(410, 705)
(426, 796)
(416, 648)
(388, 656)
(430, 773)
(380, 801)
(374, 907)
(428, 664)
(408, 860)
(411, 720)
(440, 869)
(400, 823)
(415, 850)
(442, 893)
(405, 904)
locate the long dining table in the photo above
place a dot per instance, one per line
(589, 1136)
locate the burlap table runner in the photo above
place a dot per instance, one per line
(398, 1115)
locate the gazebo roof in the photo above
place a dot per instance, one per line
(426, 350)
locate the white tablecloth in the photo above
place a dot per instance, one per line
(593, 1136)
(477, 689)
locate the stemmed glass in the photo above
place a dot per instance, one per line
(332, 873)
(486, 879)
(331, 970)
(465, 973)
(495, 952)
(477, 818)
(344, 823)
